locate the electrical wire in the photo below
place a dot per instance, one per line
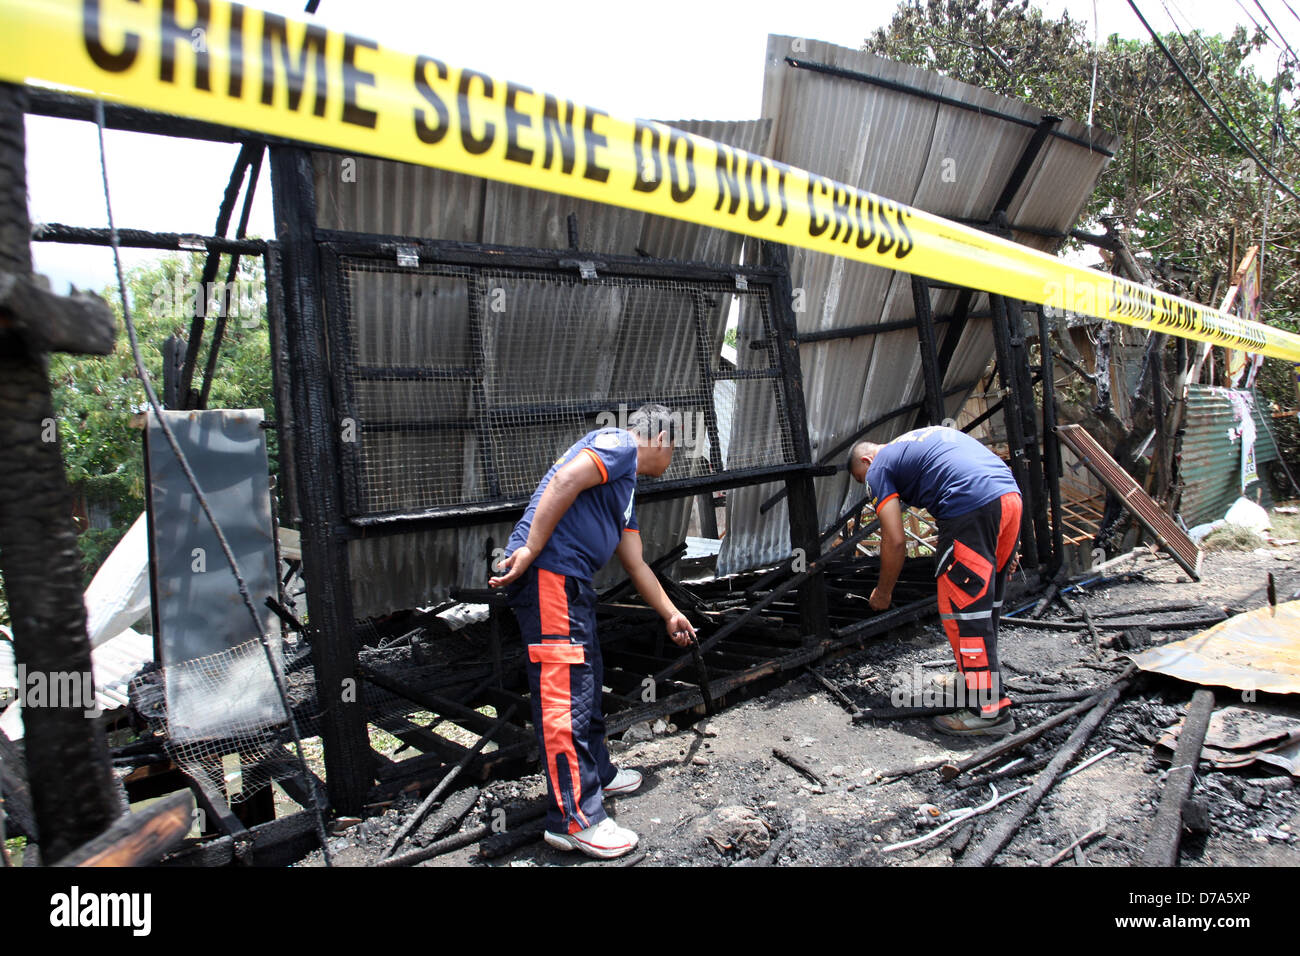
(1200, 98)
(1218, 61)
(1092, 95)
(1280, 36)
(156, 407)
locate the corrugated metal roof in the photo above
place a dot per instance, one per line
(113, 664)
(375, 196)
(943, 159)
(1209, 460)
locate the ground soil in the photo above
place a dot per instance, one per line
(726, 761)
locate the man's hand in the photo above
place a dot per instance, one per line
(880, 600)
(1015, 562)
(680, 629)
(513, 566)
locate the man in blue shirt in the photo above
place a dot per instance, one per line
(974, 498)
(582, 513)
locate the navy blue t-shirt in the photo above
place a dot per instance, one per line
(942, 470)
(589, 532)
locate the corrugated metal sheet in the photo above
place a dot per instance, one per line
(940, 158)
(1209, 461)
(1255, 651)
(377, 196)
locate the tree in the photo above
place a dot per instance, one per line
(97, 399)
(1179, 187)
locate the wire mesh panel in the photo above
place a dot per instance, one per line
(461, 385)
(234, 743)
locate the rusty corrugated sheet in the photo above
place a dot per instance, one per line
(375, 196)
(940, 158)
(1257, 651)
(1209, 460)
(1171, 537)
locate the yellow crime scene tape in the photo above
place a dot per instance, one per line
(239, 66)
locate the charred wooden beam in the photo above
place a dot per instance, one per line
(436, 792)
(932, 411)
(143, 239)
(797, 580)
(277, 843)
(518, 819)
(1013, 419)
(326, 565)
(1051, 444)
(140, 838)
(805, 530)
(81, 323)
(1167, 828)
(38, 548)
(1000, 835)
(950, 771)
(450, 709)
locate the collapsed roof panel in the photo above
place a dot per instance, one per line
(391, 325)
(883, 127)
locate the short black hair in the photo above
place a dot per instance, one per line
(854, 455)
(651, 419)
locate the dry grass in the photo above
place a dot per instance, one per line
(1232, 537)
(1285, 526)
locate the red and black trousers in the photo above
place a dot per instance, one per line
(975, 553)
(557, 619)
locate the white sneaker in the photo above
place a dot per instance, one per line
(604, 841)
(625, 782)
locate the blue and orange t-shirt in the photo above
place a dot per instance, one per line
(589, 532)
(942, 470)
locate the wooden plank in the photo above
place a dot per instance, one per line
(1167, 828)
(1134, 499)
(139, 838)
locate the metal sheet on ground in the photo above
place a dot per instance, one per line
(1258, 650)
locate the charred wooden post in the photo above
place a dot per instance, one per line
(1036, 505)
(805, 529)
(189, 397)
(320, 494)
(1051, 444)
(1101, 373)
(1013, 418)
(933, 409)
(74, 797)
(232, 272)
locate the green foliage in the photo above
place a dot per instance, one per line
(1178, 185)
(96, 398)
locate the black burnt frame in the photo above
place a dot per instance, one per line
(821, 606)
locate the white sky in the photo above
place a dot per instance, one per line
(667, 60)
